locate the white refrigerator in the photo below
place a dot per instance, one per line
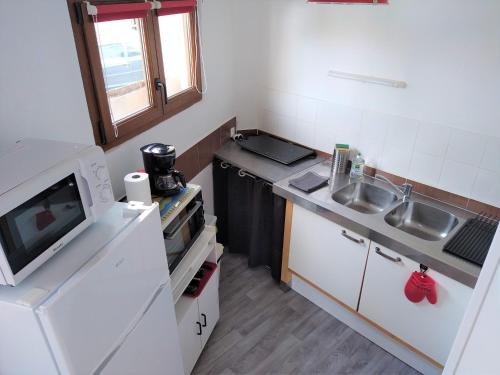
(103, 305)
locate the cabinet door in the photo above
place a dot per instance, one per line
(189, 329)
(327, 255)
(208, 305)
(430, 329)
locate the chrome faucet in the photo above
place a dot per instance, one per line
(405, 189)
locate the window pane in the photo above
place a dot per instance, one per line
(123, 56)
(176, 51)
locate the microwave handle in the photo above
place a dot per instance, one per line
(174, 233)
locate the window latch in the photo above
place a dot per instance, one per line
(159, 85)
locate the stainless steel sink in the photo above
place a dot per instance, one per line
(365, 198)
(421, 220)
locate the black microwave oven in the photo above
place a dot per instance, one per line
(183, 231)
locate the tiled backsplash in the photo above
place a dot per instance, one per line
(438, 155)
(195, 159)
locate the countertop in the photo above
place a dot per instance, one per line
(374, 227)
(261, 166)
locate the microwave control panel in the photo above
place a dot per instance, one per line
(95, 172)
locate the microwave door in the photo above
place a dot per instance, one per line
(181, 234)
(171, 233)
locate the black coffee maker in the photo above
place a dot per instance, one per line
(159, 160)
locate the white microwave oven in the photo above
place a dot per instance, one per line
(49, 193)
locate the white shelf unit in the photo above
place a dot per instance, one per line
(196, 320)
(197, 317)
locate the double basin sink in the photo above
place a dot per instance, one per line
(418, 219)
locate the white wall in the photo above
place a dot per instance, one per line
(475, 350)
(204, 179)
(41, 90)
(267, 62)
(250, 59)
(443, 130)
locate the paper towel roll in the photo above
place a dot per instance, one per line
(137, 188)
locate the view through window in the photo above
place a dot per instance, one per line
(123, 56)
(176, 51)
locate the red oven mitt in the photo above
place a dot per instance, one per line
(419, 286)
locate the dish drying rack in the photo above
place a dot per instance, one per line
(473, 240)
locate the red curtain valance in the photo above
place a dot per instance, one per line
(350, 1)
(113, 12)
(176, 7)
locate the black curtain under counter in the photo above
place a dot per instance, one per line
(250, 217)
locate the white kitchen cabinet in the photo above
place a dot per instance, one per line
(208, 307)
(428, 328)
(196, 320)
(327, 255)
(189, 328)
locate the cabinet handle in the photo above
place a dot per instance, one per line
(204, 324)
(360, 241)
(379, 252)
(199, 326)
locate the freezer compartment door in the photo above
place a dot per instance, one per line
(152, 347)
(90, 314)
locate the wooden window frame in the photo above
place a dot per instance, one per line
(93, 79)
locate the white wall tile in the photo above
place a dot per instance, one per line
(457, 178)
(491, 157)
(398, 145)
(338, 116)
(396, 161)
(401, 133)
(425, 168)
(266, 120)
(466, 147)
(344, 123)
(432, 154)
(307, 109)
(349, 135)
(374, 125)
(284, 126)
(487, 187)
(372, 137)
(324, 138)
(282, 103)
(304, 133)
(432, 139)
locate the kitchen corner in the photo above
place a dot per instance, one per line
(275, 187)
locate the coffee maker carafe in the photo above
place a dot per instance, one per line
(159, 161)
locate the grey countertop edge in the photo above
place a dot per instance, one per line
(447, 264)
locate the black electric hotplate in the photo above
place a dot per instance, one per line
(275, 149)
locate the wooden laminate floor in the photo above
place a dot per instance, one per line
(263, 330)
